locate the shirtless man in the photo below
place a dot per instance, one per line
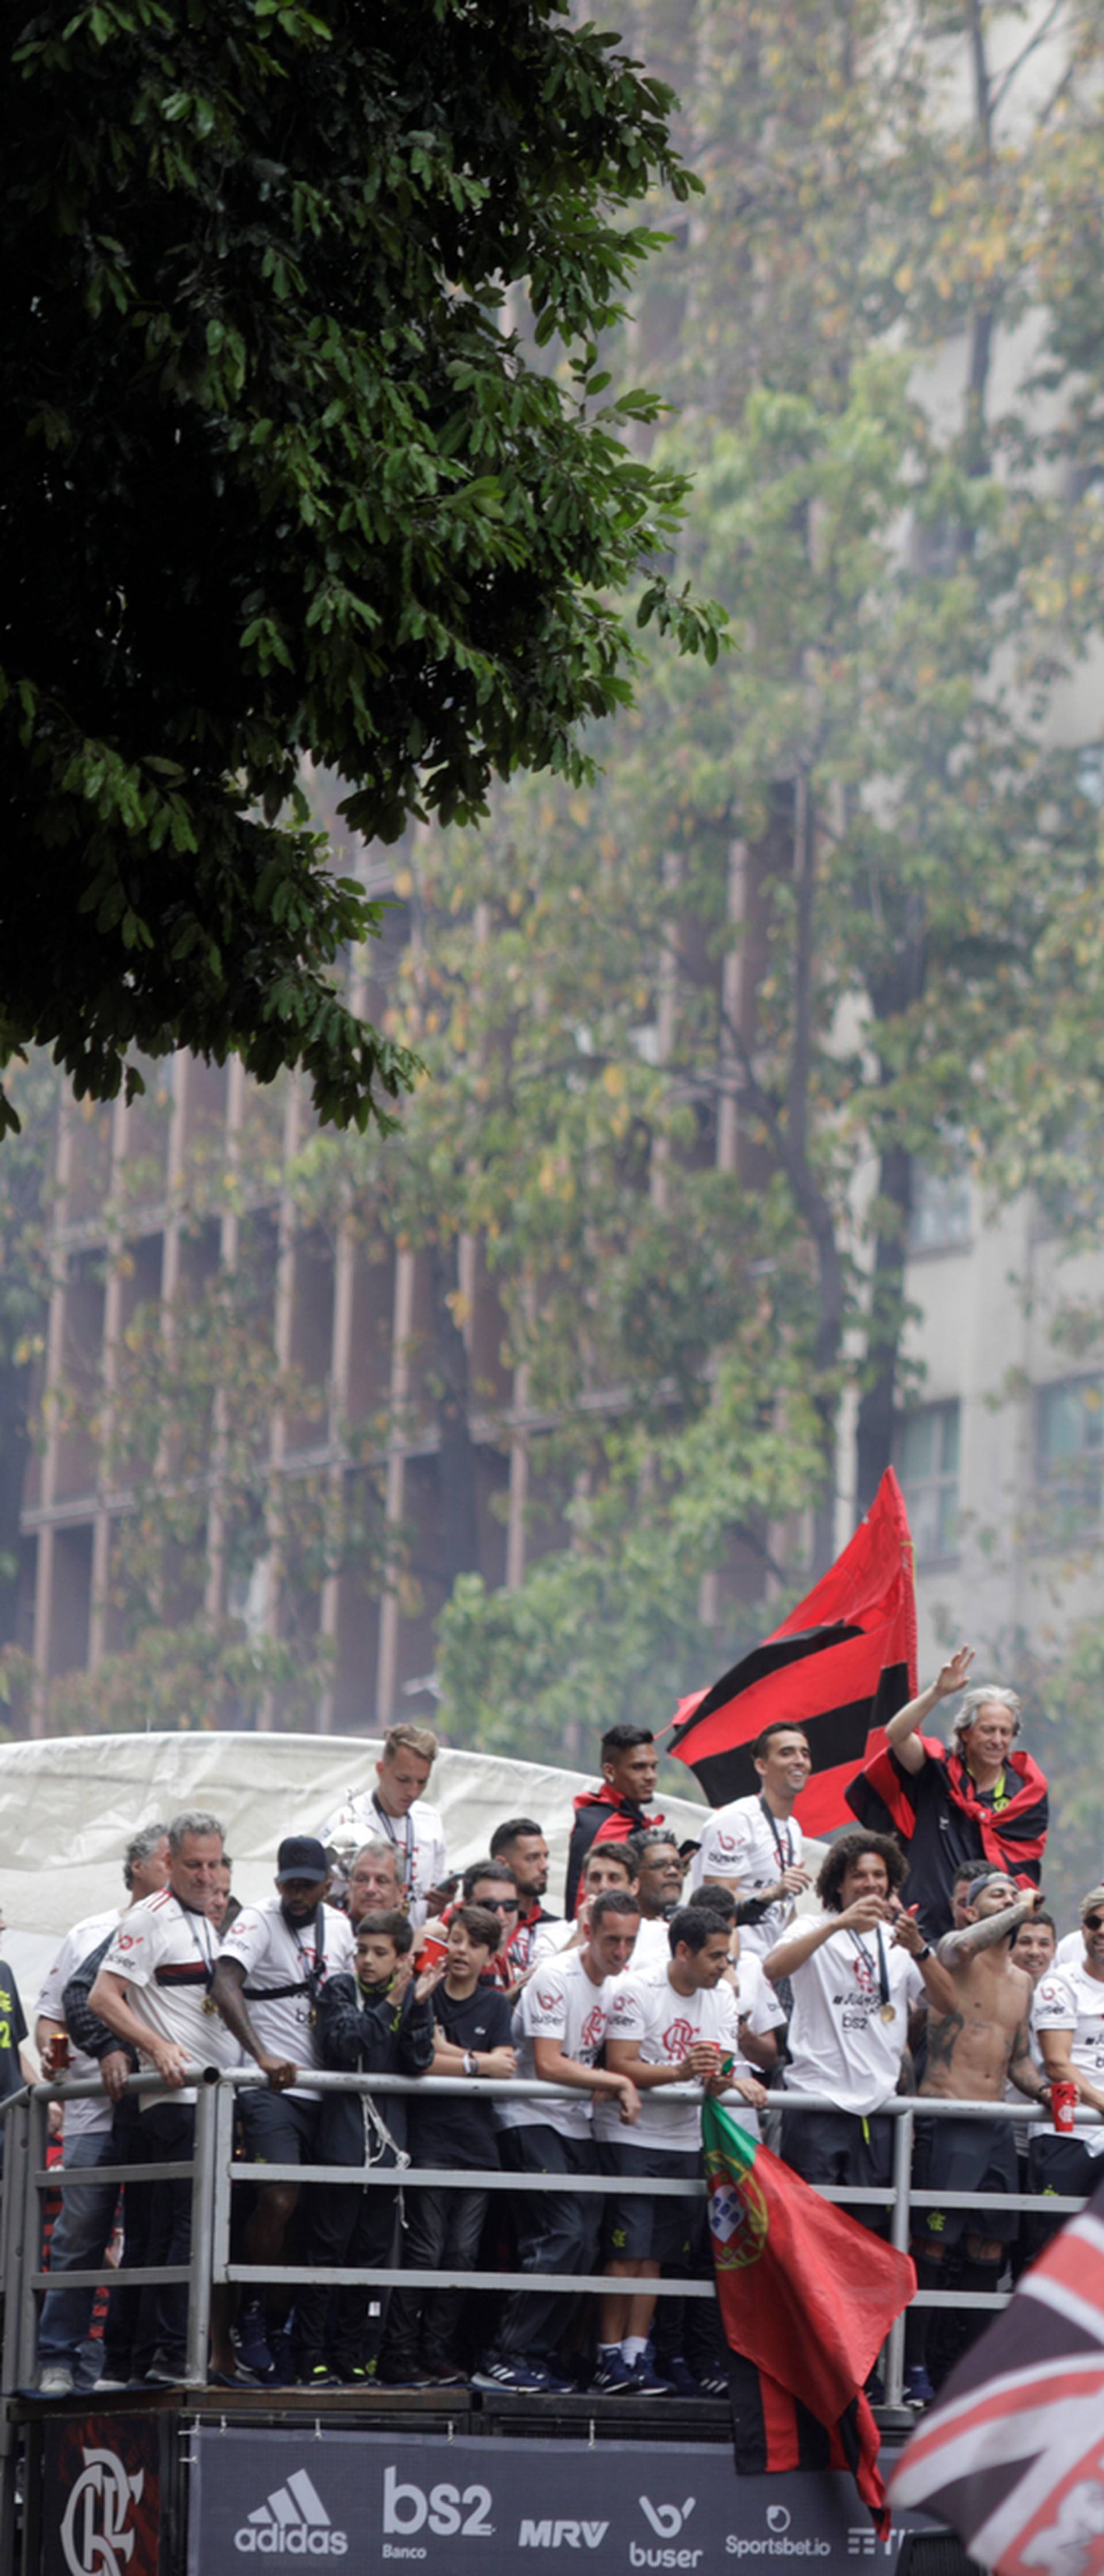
(972, 2050)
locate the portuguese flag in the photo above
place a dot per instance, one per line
(807, 2297)
(840, 1667)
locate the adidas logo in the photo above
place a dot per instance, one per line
(293, 2524)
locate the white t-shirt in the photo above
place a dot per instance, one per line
(757, 2004)
(838, 2043)
(665, 2024)
(1075, 2001)
(752, 1849)
(168, 1953)
(1070, 1951)
(419, 1839)
(651, 1956)
(82, 2119)
(561, 2002)
(651, 1949)
(273, 1953)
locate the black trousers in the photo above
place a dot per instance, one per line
(344, 2228)
(443, 2229)
(166, 2135)
(557, 2232)
(130, 2329)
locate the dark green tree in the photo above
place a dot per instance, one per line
(279, 477)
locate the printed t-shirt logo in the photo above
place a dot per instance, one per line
(593, 2029)
(547, 2002)
(678, 2037)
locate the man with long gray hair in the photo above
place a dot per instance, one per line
(979, 1798)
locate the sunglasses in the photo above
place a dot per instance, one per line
(497, 1904)
(1092, 1922)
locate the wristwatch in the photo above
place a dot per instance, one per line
(925, 1953)
(471, 2062)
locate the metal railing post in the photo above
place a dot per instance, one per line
(202, 2245)
(899, 2236)
(26, 2351)
(224, 2100)
(11, 2270)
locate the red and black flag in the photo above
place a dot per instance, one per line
(839, 1666)
(807, 2298)
(1012, 2454)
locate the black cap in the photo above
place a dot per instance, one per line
(301, 1856)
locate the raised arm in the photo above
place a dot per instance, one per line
(956, 1947)
(902, 1730)
(799, 1945)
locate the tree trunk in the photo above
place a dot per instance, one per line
(15, 1442)
(874, 1436)
(456, 1455)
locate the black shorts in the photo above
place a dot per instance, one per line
(965, 2155)
(1062, 2164)
(278, 2128)
(840, 2147)
(639, 2226)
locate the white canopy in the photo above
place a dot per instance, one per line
(69, 1805)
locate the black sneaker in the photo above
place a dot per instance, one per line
(167, 2370)
(317, 2374)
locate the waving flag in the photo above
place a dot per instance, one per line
(1012, 2456)
(839, 1666)
(808, 2297)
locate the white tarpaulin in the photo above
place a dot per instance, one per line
(69, 1805)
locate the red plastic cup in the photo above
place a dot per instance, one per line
(432, 1949)
(1063, 2103)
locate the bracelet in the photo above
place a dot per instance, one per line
(471, 2062)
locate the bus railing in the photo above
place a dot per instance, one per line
(215, 2173)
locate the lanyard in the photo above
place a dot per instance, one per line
(880, 1974)
(783, 1851)
(388, 1823)
(207, 1955)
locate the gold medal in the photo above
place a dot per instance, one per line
(888, 2012)
(209, 2004)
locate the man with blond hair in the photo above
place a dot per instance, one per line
(396, 1811)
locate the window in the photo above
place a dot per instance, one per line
(926, 1458)
(1071, 1444)
(939, 1218)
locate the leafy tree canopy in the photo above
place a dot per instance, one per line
(279, 478)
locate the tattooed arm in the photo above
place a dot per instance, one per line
(956, 1948)
(1023, 2070)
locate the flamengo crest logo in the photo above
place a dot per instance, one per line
(678, 2037)
(94, 2537)
(293, 2524)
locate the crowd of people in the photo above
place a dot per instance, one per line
(927, 1965)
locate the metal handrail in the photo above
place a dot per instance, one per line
(215, 2172)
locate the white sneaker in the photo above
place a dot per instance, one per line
(56, 2380)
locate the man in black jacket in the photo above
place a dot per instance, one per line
(378, 2022)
